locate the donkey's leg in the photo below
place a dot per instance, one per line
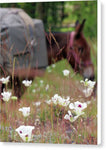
(3, 116)
(2, 87)
(19, 89)
(0, 90)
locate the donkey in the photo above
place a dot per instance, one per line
(72, 46)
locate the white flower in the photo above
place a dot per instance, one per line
(47, 87)
(6, 96)
(25, 132)
(48, 67)
(89, 87)
(88, 83)
(66, 72)
(27, 82)
(41, 81)
(48, 102)
(67, 117)
(79, 112)
(58, 100)
(91, 84)
(84, 82)
(56, 96)
(49, 70)
(68, 98)
(5, 80)
(33, 90)
(64, 102)
(87, 92)
(78, 107)
(37, 103)
(53, 65)
(25, 111)
(70, 117)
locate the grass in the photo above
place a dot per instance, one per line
(49, 122)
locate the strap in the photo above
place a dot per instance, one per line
(72, 34)
(28, 22)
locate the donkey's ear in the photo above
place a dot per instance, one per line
(83, 22)
(76, 23)
(80, 27)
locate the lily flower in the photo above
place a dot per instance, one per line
(25, 111)
(87, 92)
(53, 65)
(89, 87)
(88, 83)
(91, 84)
(84, 82)
(37, 103)
(33, 91)
(5, 80)
(58, 100)
(66, 72)
(27, 82)
(49, 70)
(48, 67)
(48, 102)
(41, 81)
(47, 87)
(78, 107)
(6, 96)
(25, 132)
(70, 117)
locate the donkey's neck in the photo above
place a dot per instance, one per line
(57, 44)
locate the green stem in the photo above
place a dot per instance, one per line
(52, 117)
(57, 112)
(13, 76)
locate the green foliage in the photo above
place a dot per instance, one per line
(28, 7)
(79, 11)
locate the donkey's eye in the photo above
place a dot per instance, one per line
(80, 49)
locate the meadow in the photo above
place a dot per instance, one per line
(48, 118)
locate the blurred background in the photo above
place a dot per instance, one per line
(61, 16)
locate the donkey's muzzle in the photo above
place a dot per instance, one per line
(88, 73)
(92, 78)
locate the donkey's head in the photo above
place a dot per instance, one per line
(79, 52)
